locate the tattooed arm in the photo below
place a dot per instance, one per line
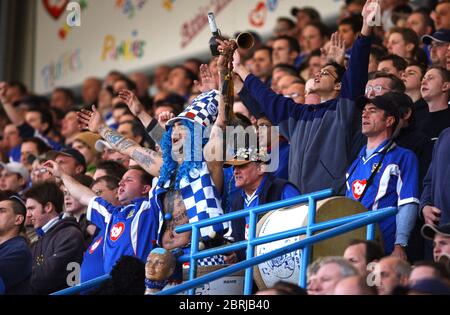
(148, 159)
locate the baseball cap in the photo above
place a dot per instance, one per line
(429, 231)
(88, 138)
(102, 145)
(16, 168)
(441, 36)
(313, 13)
(387, 102)
(430, 286)
(75, 154)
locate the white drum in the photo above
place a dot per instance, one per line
(287, 267)
(228, 285)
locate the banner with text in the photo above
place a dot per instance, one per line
(77, 39)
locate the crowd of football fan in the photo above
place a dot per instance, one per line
(89, 180)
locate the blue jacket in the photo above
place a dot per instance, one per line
(437, 181)
(15, 266)
(320, 135)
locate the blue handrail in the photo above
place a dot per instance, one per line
(252, 212)
(370, 218)
(272, 237)
(257, 210)
(83, 286)
(333, 227)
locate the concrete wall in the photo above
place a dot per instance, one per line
(17, 20)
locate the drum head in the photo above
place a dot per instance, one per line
(287, 267)
(228, 285)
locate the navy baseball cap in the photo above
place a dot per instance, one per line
(429, 231)
(75, 154)
(441, 36)
(387, 102)
(430, 286)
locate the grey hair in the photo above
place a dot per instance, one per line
(345, 267)
(402, 269)
(314, 267)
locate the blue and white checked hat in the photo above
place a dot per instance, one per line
(203, 110)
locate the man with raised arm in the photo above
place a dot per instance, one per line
(320, 135)
(190, 176)
(130, 228)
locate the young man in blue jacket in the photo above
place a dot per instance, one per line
(320, 135)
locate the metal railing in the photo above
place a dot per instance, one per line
(333, 228)
(370, 218)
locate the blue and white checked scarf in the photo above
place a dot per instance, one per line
(212, 261)
(201, 199)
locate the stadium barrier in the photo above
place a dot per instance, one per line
(332, 229)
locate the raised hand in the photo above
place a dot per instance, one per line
(226, 49)
(236, 59)
(369, 8)
(240, 70)
(91, 120)
(164, 117)
(132, 102)
(371, 14)
(207, 81)
(53, 168)
(3, 89)
(336, 51)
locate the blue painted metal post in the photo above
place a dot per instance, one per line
(193, 261)
(306, 252)
(371, 232)
(248, 280)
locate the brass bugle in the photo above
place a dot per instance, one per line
(245, 40)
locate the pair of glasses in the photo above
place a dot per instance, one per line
(293, 95)
(40, 171)
(327, 73)
(376, 88)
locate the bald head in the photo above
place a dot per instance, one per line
(142, 83)
(90, 90)
(392, 272)
(354, 285)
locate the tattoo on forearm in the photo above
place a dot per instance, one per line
(144, 159)
(116, 139)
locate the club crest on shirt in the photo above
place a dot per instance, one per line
(374, 166)
(130, 215)
(358, 188)
(95, 245)
(116, 231)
